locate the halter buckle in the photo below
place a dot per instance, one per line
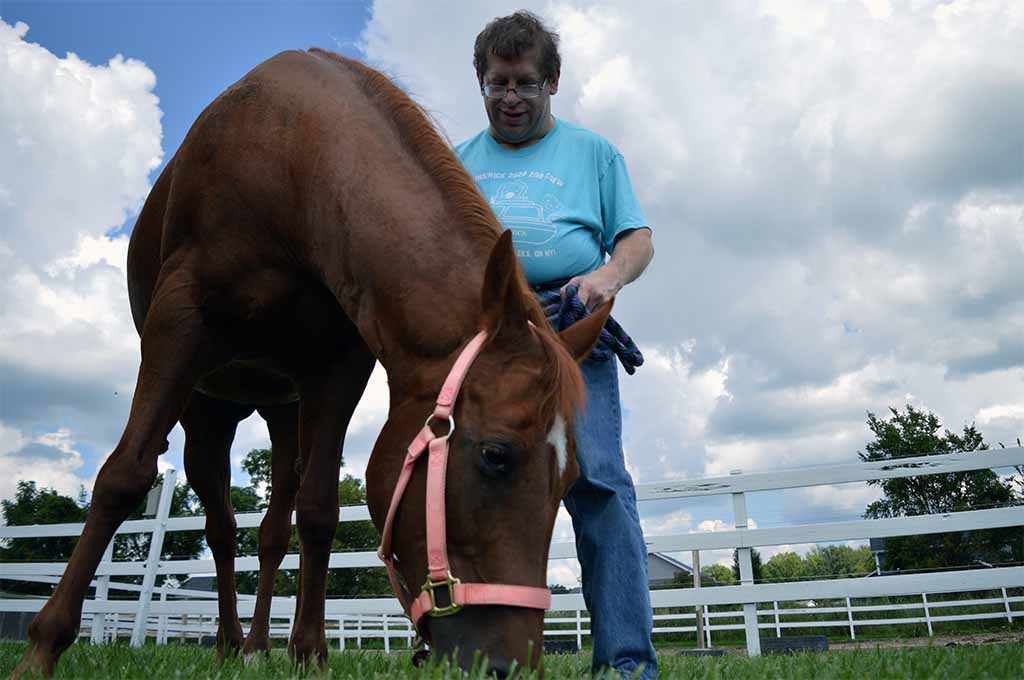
(452, 607)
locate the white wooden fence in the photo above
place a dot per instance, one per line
(361, 619)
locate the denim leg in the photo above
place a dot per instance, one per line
(609, 541)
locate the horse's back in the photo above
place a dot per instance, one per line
(228, 213)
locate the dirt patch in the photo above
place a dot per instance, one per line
(963, 640)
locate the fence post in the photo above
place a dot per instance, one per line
(849, 617)
(707, 624)
(161, 633)
(739, 507)
(579, 630)
(387, 639)
(1006, 603)
(156, 546)
(696, 610)
(99, 619)
(927, 614)
(778, 628)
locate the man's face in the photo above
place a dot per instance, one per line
(515, 121)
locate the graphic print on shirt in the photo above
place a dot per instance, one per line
(529, 221)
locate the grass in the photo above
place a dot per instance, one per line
(120, 662)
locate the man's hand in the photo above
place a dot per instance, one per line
(633, 252)
(597, 287)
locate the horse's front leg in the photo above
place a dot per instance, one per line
(326, 407)
(210, 426)
(276, 527)
(175, 350)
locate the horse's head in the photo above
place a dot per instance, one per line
(511, 459)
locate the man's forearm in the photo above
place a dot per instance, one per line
(633, 252)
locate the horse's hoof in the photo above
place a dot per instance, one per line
(303, 655)
(256, 645)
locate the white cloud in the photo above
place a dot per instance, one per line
(838, 207)
(676, 522)
(50, 459)
(835, 190)
(78, 143)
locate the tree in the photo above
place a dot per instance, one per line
(32, 505)
(838, 561)
(177, 544)
(717, 575)
(919, 433)
(257, 465)
(786, 566)
(755, 562)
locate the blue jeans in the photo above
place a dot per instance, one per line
(609, 541)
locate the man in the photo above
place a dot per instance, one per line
(565, 194)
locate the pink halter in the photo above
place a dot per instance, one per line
(439, 575)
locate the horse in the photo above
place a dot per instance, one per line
(313, 222)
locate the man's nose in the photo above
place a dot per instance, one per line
(511, 97)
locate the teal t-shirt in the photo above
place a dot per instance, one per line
(565, 199)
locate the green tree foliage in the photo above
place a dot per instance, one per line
(181, 545)
(257, 465)
(786, 566)
(838, 561)
(919, 433)
(717, 575)
(32, 505)
(755, 562)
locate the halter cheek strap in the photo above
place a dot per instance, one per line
(439, 576)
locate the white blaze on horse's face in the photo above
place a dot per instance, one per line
(558, 440)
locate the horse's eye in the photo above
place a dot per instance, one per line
(496, 459)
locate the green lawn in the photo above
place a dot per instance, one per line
(192, 663)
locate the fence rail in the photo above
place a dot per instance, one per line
(349, 618)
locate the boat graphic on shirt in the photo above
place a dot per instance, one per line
(530, 222)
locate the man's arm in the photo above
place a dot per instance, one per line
(632, 253)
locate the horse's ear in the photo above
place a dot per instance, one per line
(581, 337)
(502, 299)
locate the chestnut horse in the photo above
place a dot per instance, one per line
(312, 222)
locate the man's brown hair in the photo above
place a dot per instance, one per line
(512, 36)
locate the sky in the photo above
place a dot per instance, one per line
(836, 190)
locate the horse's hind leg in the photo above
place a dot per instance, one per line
(174, 351)
(328, 401)
(276, 527)
(210, 426)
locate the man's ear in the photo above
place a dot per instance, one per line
(581, 337)
(553, 83)
(501, 298)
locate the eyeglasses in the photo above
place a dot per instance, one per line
(522, 90)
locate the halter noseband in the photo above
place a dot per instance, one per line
(439, 575)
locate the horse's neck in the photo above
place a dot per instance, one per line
(410, 280)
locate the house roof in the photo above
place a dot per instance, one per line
(674, 563)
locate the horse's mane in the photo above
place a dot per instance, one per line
(564, 386)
